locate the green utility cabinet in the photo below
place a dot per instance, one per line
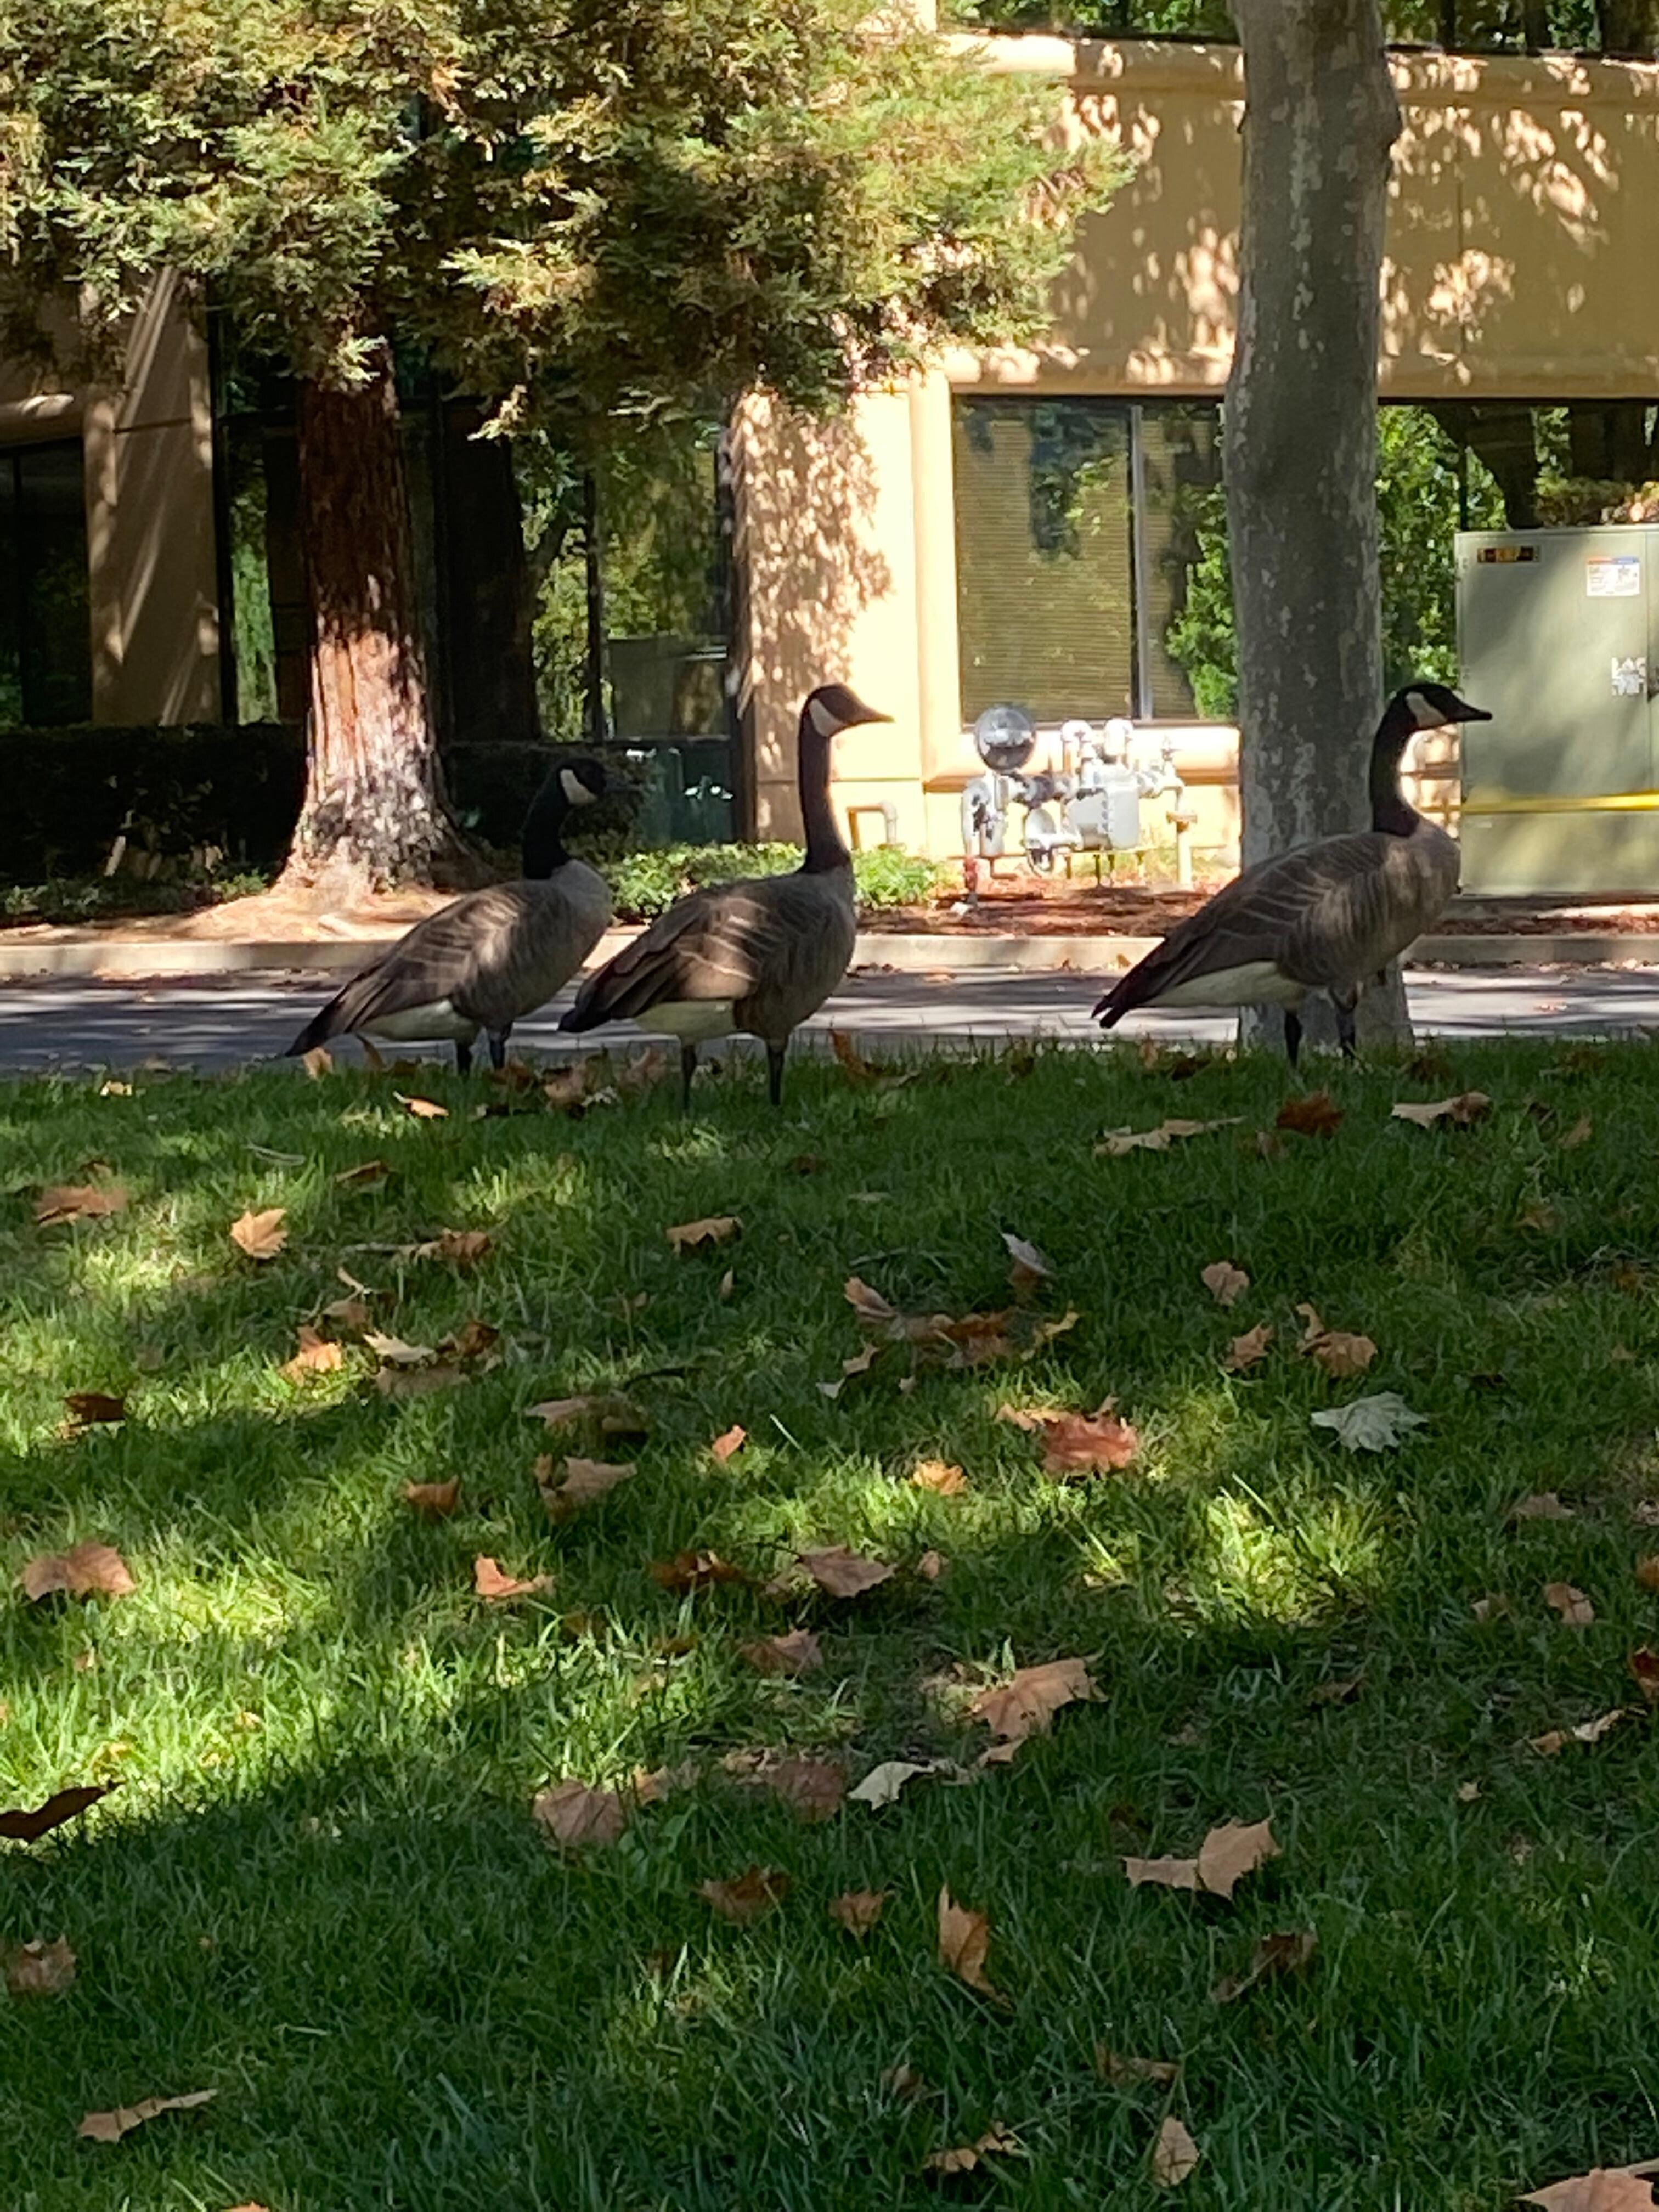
(1558, 633)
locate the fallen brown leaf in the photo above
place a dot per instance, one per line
(473, 1339)
(1603, 2189)
(1647, 1571)
(1286, 1952)
(1467, 1108)
(612, 1413)
(1030, 1267)
(419, 1382)
(1116, 1142)
(316, 1356)
(812, 1788)
(433, 1501)
(1555, 1741)
(1174, 2153)
(1082, 1444)
(1580, 1133)
(1341, 1692)
(936, 1475)
(797, 1653)
(1112, 2066)
(78, 1202)
(40, 1969)
(964, 1939)
(424, 1110)
(261, 1236)
(859, 1909)
(1494, 1606)
(349, 1313)
(585, 1480)
(843, 1573)
(1335, 1350)
(997, 2140)
(883, 1784)
(716, 1229)
(1574, 1608)
(367, 1174)
(489, 1581)
(1026, 1705)
(1542, 1505)
(695, 1570)
(573, 1814)
(89, 1570)
(757, 1890)
(28, 1826)
(317, 1063)
(1224, 1857)
(1226, 1283)
(464, 1248)
(1315, 1115)
(92, 1408)
(1645, 1666)
(1245, 1350)
(396, 1352)
(931, 1565)
(110, 2127)
(733, 1440)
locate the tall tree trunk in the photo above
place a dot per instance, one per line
(487, 598)
(1320, 117)
(373, 814)
(1629, 27)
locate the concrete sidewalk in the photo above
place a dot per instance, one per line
(225, 1021)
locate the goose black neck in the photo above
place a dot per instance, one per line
(1391, 812)
(543, 846)
(826, 848)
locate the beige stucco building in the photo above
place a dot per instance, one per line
(891, 548)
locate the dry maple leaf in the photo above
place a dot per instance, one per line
(473, 1339)
(1647, 1571)
(1555, 1741)
(1226, 1854)
(573, 1814)
(733, 1440)
(1467, 1108)
(27, 1826)
(716, 1229)
(433, 1501)
(93, 1408)
(1285, 1953)
(1245, 1350)
(1372, 1424)
(585, 1480)
(316, 1356)
(464, 1248)
(1226, 1283)
(1174, 2153)
(1542, 1505)
(89, 1570)
(1113, 2066)
(695, 1570)
(261, 1236)
(1494, 1606)
(1082, 1443)
(1603, 2189)
(859, 1909)
(604, 1406)
(78, 1202)
(40, 1969)
(110, 2127)
(936, 1475)
(1116, 1142)
(490, 1581)
(1574, 1608)
(843, 1573)
(1335, 1350)
(1026, 1705)
(812, 1788)
(349, 1313)
(931, 1565)
(424, 1110)
(1315, 1115)
(997, 2139)
(964, 1938)
(797, 1653)
(883, 1784)
(757, 1890)
(1643, 1664)
(1030, 1266)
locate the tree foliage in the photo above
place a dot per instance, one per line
(596, 208)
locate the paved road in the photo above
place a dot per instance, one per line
(215, 1022)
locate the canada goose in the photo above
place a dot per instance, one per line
(757, 956)
(491, 957)
(1323, 917)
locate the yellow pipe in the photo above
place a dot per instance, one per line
(1611, 802)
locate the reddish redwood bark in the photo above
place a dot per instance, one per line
(373, 814)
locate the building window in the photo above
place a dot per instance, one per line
(45, 636)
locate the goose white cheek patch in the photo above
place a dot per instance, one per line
(575, 791)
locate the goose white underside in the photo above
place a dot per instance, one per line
(1255, 983)
(416, 1024)
(691, 1020)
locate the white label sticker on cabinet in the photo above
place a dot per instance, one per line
(1630, 678)
(1614, 576)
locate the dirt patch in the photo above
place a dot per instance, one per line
(272, 917)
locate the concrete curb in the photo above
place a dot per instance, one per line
(114, 958)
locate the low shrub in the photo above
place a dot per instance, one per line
(644, 884)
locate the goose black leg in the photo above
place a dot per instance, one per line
(688, 1069)
(1292, 1033)
(1345, 1026)
(774, 1072)
(462, 1055)
(498, 1047)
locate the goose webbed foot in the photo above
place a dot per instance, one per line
(774, 1072)
(688, 1069)
(1292, 1035)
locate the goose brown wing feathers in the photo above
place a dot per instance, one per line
(727, 942)
(444, 956)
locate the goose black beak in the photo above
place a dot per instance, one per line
(1467, 713)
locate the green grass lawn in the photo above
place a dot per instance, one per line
(320, 1892)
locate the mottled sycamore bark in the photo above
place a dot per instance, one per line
(1320, 119)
